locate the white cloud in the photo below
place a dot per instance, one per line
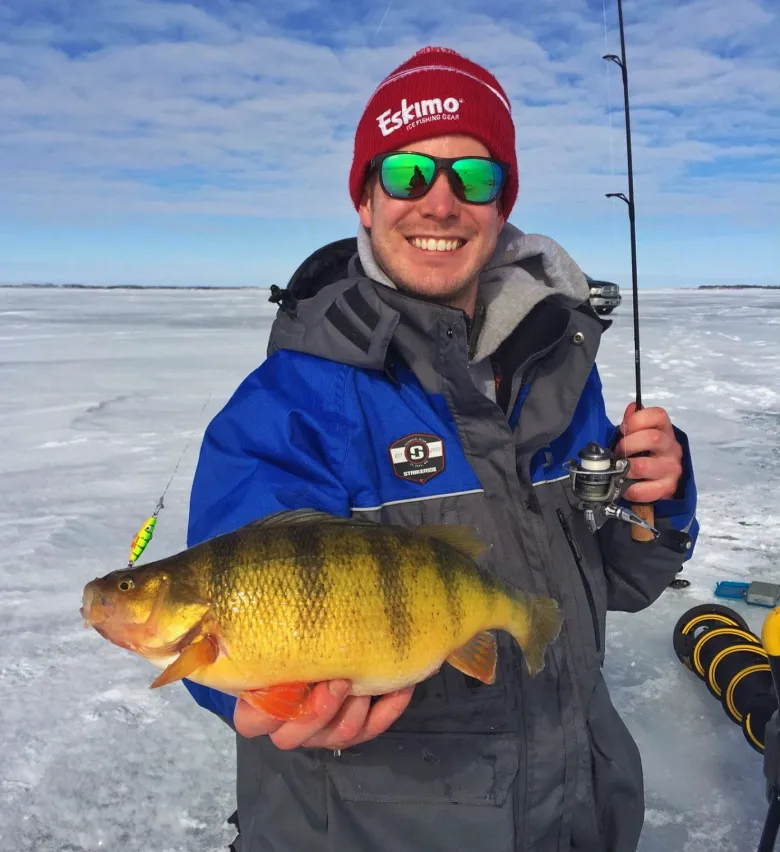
(167, 107)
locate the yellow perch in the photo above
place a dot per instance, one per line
(302, 596)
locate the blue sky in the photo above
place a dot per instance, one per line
(155, 142)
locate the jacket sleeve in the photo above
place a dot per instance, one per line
(278, 444)
(638, 572)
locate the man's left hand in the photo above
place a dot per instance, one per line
(650, 430)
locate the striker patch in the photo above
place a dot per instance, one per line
(417, 457)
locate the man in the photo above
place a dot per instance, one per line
(442, 370)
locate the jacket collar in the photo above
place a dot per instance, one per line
(333, 310)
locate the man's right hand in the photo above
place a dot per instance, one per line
(338, 720)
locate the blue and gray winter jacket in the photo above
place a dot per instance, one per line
(375, 404)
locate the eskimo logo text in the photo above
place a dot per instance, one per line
(434, 109)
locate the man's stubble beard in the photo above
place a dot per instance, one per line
(446, 292)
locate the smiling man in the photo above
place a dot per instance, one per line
(440, 369)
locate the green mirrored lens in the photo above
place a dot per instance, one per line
(480, 179)
(407, 175)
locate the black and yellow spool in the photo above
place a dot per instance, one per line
(731, 661)
(716, 644)
(695, 622)
(710, 644)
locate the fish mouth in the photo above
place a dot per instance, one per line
(95, 609)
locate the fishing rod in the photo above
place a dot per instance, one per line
(598, 479)
(642, 510)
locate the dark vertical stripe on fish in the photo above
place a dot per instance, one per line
(445, 558)
(386, 551)
(310, 563)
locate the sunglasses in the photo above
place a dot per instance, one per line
(406, 175)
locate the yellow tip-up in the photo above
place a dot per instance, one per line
(770, 633)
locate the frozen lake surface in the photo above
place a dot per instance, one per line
(101, 391)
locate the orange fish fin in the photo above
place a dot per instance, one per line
(462, 539)
(477, 658)
(202, 652)
(283, 701)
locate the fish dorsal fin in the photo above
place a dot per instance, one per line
(307, 516)
(462, 539)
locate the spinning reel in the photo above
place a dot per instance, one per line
(598, 480)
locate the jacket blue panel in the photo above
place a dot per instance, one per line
(278, 444)
(384, 412)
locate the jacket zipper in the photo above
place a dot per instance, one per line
(588, 591)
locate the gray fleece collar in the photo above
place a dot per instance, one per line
(524, 270)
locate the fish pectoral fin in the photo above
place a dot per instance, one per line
(462, 539)
(202, 652)
(283, 701)
(477, 658)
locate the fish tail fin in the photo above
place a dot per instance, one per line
(535, 624)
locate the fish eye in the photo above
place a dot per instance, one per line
(126, 584)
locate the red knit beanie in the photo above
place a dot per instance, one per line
(436, 93)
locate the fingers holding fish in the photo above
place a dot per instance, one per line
(335, 720)
(345, 726)
(359, 720)
(253, 719)
(325, 702)
(383, 713)
(250, 722)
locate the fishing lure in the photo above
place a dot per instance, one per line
(143, 537)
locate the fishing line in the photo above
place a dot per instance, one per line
(383, 18)
(145, 533)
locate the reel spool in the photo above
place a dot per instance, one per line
(716, 644)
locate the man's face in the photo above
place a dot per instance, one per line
(450, 276)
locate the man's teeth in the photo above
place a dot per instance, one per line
(436, 245)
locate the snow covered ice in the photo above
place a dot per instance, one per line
(102, 391)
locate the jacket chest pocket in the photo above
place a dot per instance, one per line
(437, 792)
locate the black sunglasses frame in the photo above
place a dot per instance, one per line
(444, 164)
